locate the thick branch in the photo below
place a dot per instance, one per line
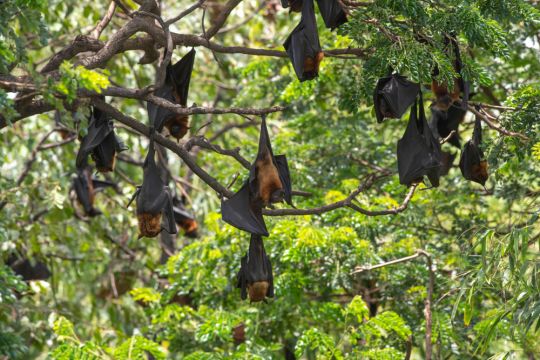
(495, 127)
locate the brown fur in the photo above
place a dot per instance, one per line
(268, 178)
(443, 98)
(480, 171)
(239, 334)
(91, 191)
(312, 64)
(257, 291)
(189, 226)
(181, 122)
(149, 224)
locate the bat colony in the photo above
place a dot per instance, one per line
(419, 151)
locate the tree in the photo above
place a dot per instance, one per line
(364, 267)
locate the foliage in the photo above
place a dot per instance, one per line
(113, 295)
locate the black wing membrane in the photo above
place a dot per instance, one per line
(393, 95)
(332, 13)
(175, 90)
(418, 152)
(83, 184)
(255, 277)
(285, 177)
(472, 163)
(100, 142)
(444, 122)
(240, 212)
(303, 46)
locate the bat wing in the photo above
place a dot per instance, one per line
(103, 184)
(284, 176)
(152, 196)
(97, 133)
(239, 212)
(418, 152)
(377, 97)
(157, 114)
(181, 75)
(332, 13)
(257, 261)
(241, 278)
(169, 225)
(400, 94)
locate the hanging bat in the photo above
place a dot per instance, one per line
(445, 97)
(269, 182)
(418, 152)
(255, 277)
(175, 90)
(100, 142)
(303, 45)
(28, 270)
(393, 95)
(86, 187)
(184, 219)
(472, 163)
(154, 202)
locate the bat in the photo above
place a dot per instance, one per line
(154, 202)
(444, 97)
(393, 95)
(303, 45)
(100, 142)
(28, 270)
(184, 219)
(255, 277)
(472, 163)
(269, 182)
(175, 90)
(86, 186)
(332, 13)
(418, 152)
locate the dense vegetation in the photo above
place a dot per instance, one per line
(113, 295)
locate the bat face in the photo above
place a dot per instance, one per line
(154, 202)
(418, 152)
(100, 142)
(393, 95)
(255, 278)
(175, 90)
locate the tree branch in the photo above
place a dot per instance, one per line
(96, 32)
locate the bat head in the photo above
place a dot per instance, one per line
(257, 291)
(178, 126)
(149, 224)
